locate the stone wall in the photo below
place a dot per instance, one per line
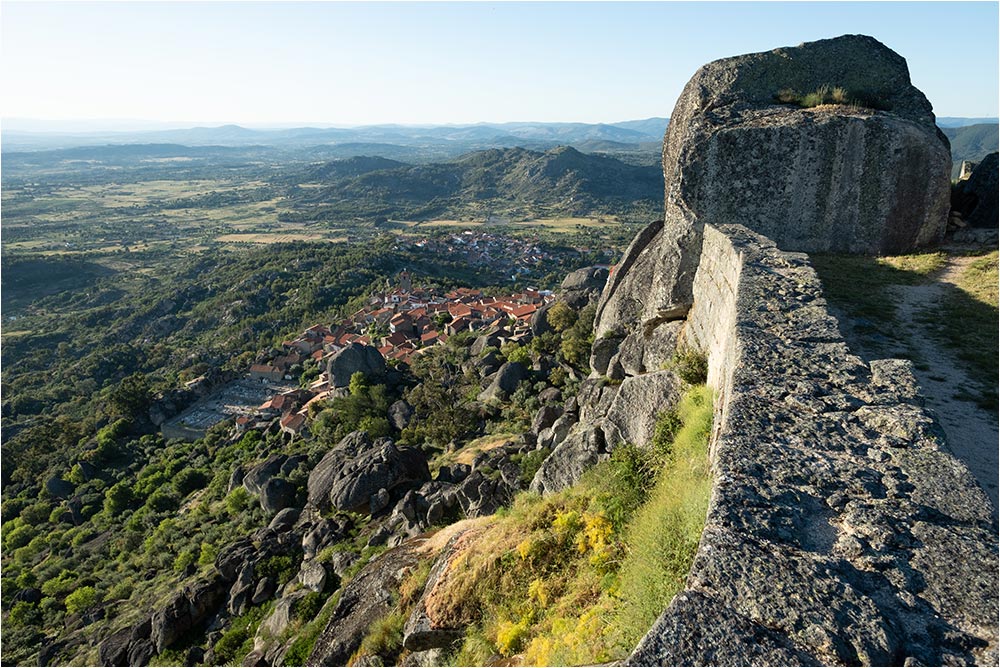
(840, 530)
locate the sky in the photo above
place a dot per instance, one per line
(342, 64)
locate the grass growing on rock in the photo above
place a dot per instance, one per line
(579, 576)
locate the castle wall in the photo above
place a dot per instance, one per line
(840, 530)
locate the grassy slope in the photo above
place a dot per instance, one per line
(579, 576)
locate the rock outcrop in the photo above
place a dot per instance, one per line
(352, 474)
(366, 599)
(352, 359)
(976, 197)
(849, 178)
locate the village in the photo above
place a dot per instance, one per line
(399, 323)
(512, 255)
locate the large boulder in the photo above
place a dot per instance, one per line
(259, 475)
(582, 286)
(352, 473)
(322, 477)
(505, 382)
(582, 448)
(355, 357)
(400, 414)
(866, 178)
(368, 597)
(638, 403)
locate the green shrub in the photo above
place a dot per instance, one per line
(19, 536)
(690, 365)
(59, 586)
(24, 614)
(184, 559)
(237, 641)
(82, 599)
(239, 501)
(208, 554)
(189, 480)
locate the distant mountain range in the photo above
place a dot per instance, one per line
(635, 142)
(959, 122)
(471, 137)
(971, 142)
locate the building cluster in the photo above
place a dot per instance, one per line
(485, 249)
(399, 323)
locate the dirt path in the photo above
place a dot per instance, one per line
(972, 432)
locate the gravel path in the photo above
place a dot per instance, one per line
(972, 432)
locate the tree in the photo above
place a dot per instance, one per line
(130, 397)
(561, 316)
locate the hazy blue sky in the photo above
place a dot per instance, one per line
(347, 63)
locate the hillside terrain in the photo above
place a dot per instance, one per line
(372, 396)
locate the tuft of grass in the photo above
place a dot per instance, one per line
(384, 638)
(826, 94)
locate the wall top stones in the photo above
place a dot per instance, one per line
(840, 530)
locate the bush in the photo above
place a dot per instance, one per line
(189, 480)
(82, 599)
(561, 317)
(690, 365)
(239, 501)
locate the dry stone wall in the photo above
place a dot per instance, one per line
(840, 529)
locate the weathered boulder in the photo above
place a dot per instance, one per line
(582, 448)
(638, 403)
(312, 575)
(276, 623)
(582, 286)
(400, 414)
(845, 178)
(545, 418)
(140, 652)
(257, 477)
(367, 598)
(383, 466)
(322, 476)
(113, 650)
(976, 197)
(540, 320)
(424, 629)
(505, 382)
(285, 519)
(355, 357)
(235, 478)
(550, 395)
(184, 611)
(323, 533)
(59, 488)
(276, 495)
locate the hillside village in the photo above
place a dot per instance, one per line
(399, 323)
(511, 255)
